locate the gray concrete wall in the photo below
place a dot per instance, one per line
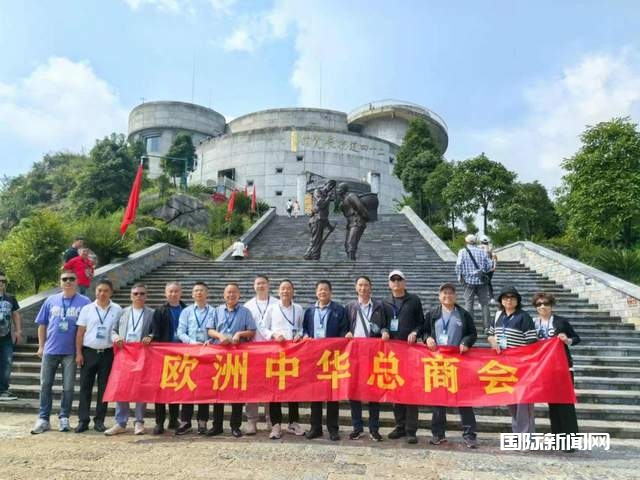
(290, 117)
(441, 248)
(176, 115)
(618, 296)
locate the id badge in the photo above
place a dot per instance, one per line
(63, 325)
(443, 339)
(101, 333)
(502, 341)
(319, 333)
(394, 324)
(200, 337)
(132, 337)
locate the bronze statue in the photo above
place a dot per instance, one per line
(357, 215)
(319, 220)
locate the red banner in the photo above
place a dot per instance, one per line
(132, 205)
(339, 369)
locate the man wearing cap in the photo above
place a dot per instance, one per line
(94, 353)
(406, 323)
(471, 267)
(449, 324)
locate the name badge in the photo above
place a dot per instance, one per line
(319, 333)
(443, 339)
(63, 325)
(200, 336)
(502, 341)
(133, 337)
(394, 324)
(101, 332)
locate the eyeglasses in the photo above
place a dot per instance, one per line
(509, 297)
(138, 294)
(543, 304)
(3, 280)
(396, 279)
(67, 279)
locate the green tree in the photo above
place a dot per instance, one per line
(180, 157)
(31, 252)
(416, 159)
(443, 209)
(479, 184)
(104, 186)
(601, 189)
(102, 234)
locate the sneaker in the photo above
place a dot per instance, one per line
(173, 424)
(117, 429)
(375, 436)
(296, 429)
(437, 440)
(470, 443)
(82, 427)
(7, 396)
(99, 427)
(397, 433)
(64, 424)
(138, 428)
(41, 426)
(158, 429)
(356, 434)
(236, 432)
(202, 427)
(334, 436)
(213, 431)
(412, 439)
(276, 432)
(252, 427)
(183, 428)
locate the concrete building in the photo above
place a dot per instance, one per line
(284, 152)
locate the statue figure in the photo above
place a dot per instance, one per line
(319, 219)
(357, 216)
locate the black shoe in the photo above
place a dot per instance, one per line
(437, 440)
(173, 424)
(412, 439)
(375, 436)
(311, 434)
(202, 427)
(356, 434)
(82, 427)
(213, 431)
(236, 432)
(334, 436)
(183, 429)
(397, 433)
(99, 427)
(158, 429)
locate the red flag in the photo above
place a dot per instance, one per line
(254, 203)
(232, 201)
(132, 206)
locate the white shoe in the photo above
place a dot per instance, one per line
(41, 426)
(296, 429)
(138, 428)
(64, 424)
(117, 429)
(276, 432)
(252, 428)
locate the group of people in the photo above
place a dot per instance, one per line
(293, 208)
(74, 332)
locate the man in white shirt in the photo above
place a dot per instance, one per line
(283, 321)
(258, 306)
(94, 352)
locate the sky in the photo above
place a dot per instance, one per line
(517, 80)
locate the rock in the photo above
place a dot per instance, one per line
(185, 212)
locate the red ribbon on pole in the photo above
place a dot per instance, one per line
(254, 203)
(232, 202)
(132, 205)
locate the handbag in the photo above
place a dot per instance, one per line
(484, 276)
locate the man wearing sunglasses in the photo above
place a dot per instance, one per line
(56, 322)
(8, 337)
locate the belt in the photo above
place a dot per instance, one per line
(99, 350)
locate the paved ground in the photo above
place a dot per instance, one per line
(55, 455)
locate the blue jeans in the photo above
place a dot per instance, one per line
(122, 412)
(6, 358)
(48, 370)
(356, 416)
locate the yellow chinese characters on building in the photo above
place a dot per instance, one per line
(335, 366)
(385, 372)
(500, 378)
(176, 372)
(230, 368)
(440, 372)
(283, 367)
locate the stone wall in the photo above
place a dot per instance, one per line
(250, 234)
(441, 248)
(610, 293)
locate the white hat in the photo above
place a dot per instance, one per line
(484, 239)
(471, 238)
(398, 273)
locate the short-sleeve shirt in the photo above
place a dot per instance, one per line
(99, 324)
(60, 315)
(8, 305)
(230, 322)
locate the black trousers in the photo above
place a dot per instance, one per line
(97, 363)
(467, 417)
(563, 416)
(174, 411)
(275, 412)
(333, 409)
(187, 412)
(236, 415)
(406, 417)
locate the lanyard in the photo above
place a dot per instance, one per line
(261, 312)
(368, 314)
(396, 310)
(365, 320)
(445, 325)
(105, 315)
(322, 317)
(505, 323)
(65, 307)
(195, 314)
(227, 324)
(293, 312)
(135, 324)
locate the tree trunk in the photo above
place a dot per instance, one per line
(453, 227)
(485, 208)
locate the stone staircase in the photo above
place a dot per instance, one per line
(607, 372)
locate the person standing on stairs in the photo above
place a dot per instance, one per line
(9, 336)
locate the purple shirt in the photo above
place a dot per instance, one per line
(56, 311)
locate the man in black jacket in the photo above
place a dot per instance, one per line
(406, 323)
(163, 329)
(450, 324)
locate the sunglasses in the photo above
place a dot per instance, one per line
(3, 280)
(138, 294)
(396, 279)
(509, 297)
(67, 279)
(543, 304)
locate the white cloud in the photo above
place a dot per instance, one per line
(171, 6)
(595, 89)
(223, 6)
(61, 105)
(254, 31)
